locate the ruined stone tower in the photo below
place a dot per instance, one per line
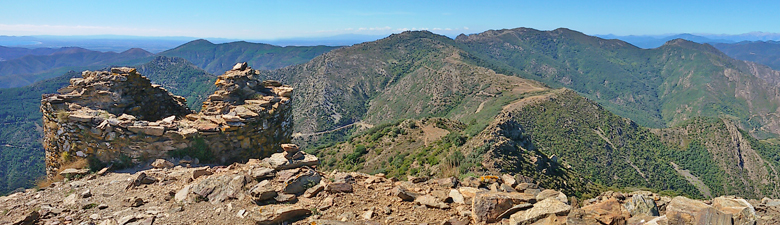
(118, 116)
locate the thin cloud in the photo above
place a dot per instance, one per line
(79, 30)
(381, 13)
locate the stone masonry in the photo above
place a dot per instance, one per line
(120, 116)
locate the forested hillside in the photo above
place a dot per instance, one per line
(658, 87)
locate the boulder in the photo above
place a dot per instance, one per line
(301, 181)
(549, 193)
(28, 218)
(149, 130)
(182, 194)
(469, 192)
(522, 186)
(430, 201)
(263, 191)
(661, 220)
(261, 173)
(162, 163)
(277, 214)
(313, 191)
(682, 210)
(201, 171)
(540, 210)
(404, 194)
(506, 188)
(741, 211)
(770, 202)
(532, 191)
(338, 187)
(220, 188)
(609, 212)
(278, 162)
(240, 66)
(142, 178)
(488, 206)
(135, 201)
(282, 198)
(290, 148)
(230, 118)
(86, 194)
(71, 200)
(456, 196)
(343, 178)
(508, 180)
(641, 205)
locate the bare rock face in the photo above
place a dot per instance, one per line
(545, 208)
(120, 114)
(606, 212)
(488, 206)
(683, 210)
(741, 211)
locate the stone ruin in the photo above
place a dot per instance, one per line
(120, 116)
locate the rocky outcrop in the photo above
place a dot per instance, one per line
(255, 193)
(119, 115)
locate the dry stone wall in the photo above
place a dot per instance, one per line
(118, 116)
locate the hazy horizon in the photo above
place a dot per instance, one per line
(273, 20)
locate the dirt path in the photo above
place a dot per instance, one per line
(359, 123)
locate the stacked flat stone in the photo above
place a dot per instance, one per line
(120, 114)
(291, 151)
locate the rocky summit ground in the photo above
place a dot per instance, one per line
(287, 189)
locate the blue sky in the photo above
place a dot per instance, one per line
(288, 19)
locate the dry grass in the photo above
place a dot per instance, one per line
(75, 164)
(449, 168)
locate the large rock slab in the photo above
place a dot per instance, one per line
(404, 194)
(549, 193)
(741, 211)
(488, 206)
(541, 210)
(430, 201)
(683, 210)
(261, 173)
(301, 181)
(278, 162)
(149, 130)
(220, 188)
(605, 212)
(641, 205)
(162, 163)
(277, 214)
(263, 191)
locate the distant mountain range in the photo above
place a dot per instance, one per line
(654, 41)
(26, 66)
(575, 112)
(27, 69)
(763, 52)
